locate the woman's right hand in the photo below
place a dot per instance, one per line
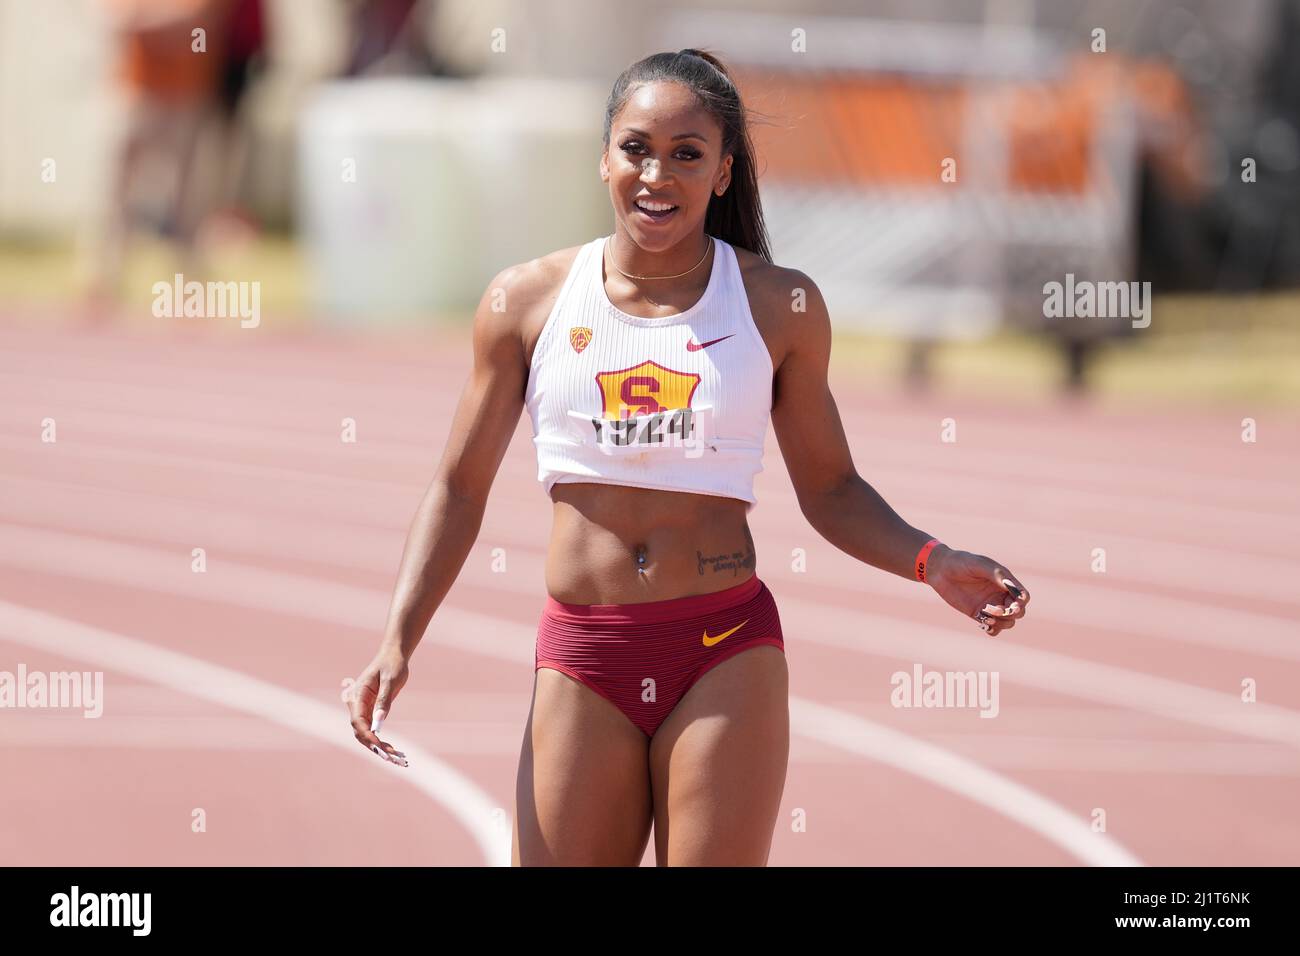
(372, 698)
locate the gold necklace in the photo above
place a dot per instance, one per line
(678, 276)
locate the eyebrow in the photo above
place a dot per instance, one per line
(675, 138)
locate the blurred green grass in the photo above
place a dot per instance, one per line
(1200, 349)
(1185, 366)
(48, 275)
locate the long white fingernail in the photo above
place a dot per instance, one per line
(377, 722)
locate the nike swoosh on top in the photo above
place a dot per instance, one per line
(693, 346)
(710, 641)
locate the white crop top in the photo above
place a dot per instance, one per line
(678, 403)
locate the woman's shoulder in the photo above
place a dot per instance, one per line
(769, 279)
(785, 303)
(526, 291)
(536, 279)
(537, 276)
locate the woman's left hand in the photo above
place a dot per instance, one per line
(979, 587)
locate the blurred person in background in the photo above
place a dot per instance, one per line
(392, 37)
(242, 64)
(1256, 229)
(171, 71)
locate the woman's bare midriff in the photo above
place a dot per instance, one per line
(614, 544)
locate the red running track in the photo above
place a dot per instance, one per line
(1120, 734)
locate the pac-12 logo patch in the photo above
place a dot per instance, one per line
(579, 337)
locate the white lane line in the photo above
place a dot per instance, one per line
(959, 775)
(156, 402)
(245, 437)
(233, 583)
(496, 738)
(493, 737)
(97, 455)
(99, 426)
(492, 636)
(1057, 599)
(867, 633)
(1163, 562)
(780, 496)
(1140, 756)
(95, 509)
(460, 796)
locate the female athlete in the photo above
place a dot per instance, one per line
(650, 362)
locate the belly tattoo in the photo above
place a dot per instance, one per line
(732, 561)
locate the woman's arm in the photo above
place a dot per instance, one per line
(837, 502)
(449, 516)
(448, 519)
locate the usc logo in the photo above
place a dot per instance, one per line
(645, 389)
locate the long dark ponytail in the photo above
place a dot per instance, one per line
(736, 216)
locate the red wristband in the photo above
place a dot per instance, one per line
(924, 555)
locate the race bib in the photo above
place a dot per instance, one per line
(685, 431)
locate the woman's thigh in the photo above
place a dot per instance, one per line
(718, 764)
(582, 796)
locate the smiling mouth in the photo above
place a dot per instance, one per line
(654, 211)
